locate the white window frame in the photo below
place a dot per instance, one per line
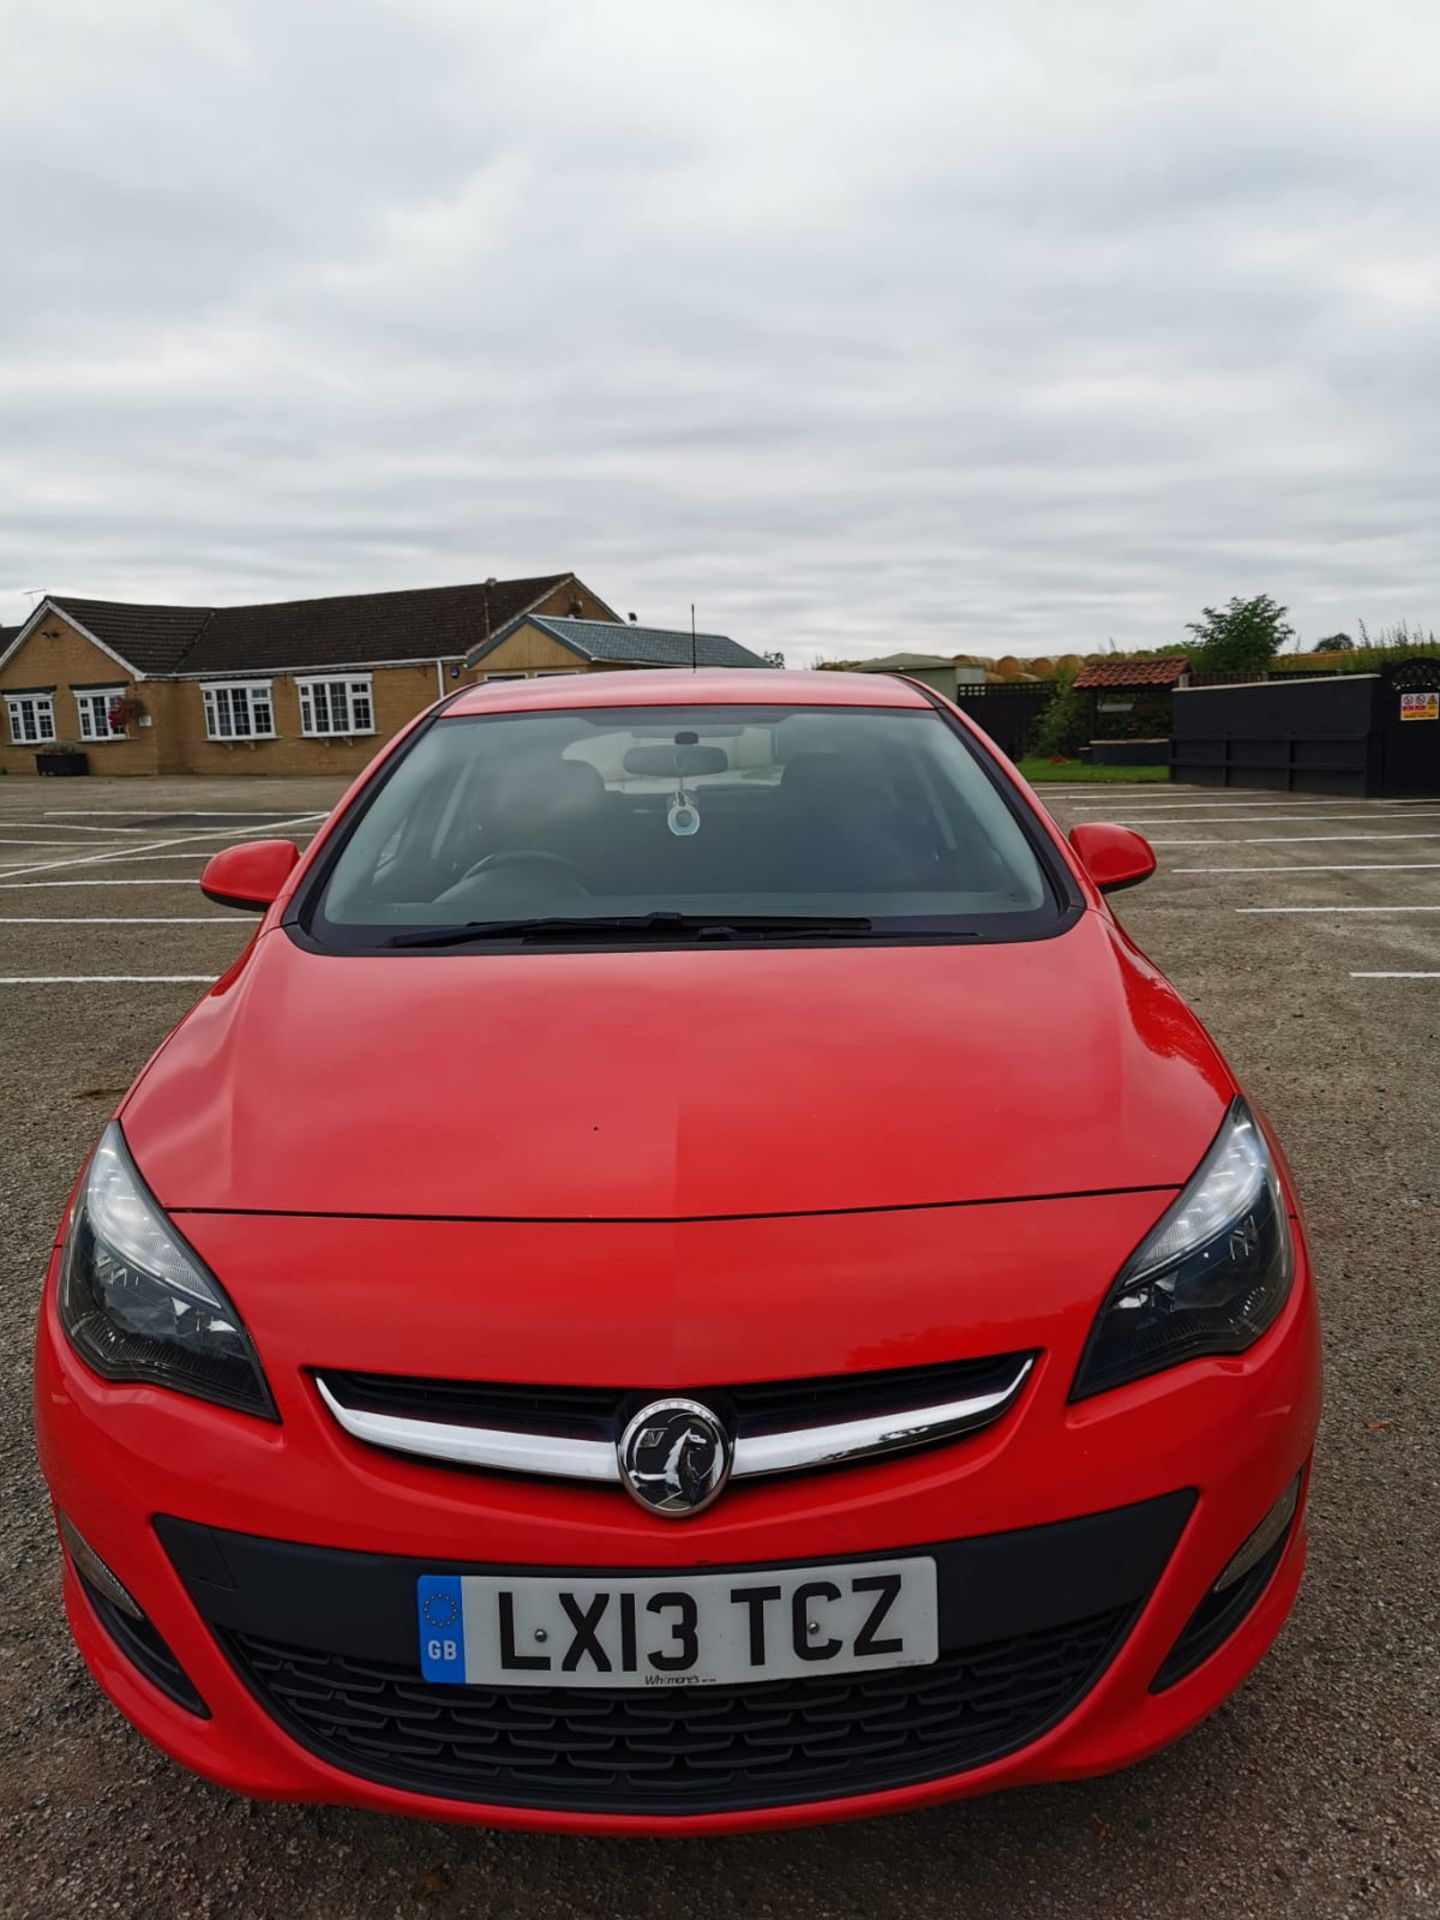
(530, 673)
(328, 698)
(236, 693)
(85, 708)
(42, 719)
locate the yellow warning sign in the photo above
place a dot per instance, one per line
(1420, 706)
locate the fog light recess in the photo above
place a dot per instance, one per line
(93, 1570)
(1239, 1585)
(128, 1626)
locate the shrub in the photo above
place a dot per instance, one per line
(1064, 725)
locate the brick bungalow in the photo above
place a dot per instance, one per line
(300, 686)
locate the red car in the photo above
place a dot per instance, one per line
(691, 1277)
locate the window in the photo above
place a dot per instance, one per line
(883, 819)
(94, 707)
(530, 673)
(32, 717)
(336, 706)
(239, 710)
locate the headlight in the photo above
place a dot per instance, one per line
(1209, 1278)
(136, 1302)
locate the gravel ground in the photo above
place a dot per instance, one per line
(1315, 1791)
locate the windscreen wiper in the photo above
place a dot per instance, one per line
(697, 926)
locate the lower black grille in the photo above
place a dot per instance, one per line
(680, 1750)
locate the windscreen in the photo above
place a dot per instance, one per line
(885, 818)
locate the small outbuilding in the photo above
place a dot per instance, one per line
(1130, 706)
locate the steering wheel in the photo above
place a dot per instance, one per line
(518, 856)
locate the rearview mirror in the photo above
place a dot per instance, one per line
(1114, 857)
(676, 760)
(250, 876)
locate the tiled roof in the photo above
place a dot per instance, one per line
(1133, 673)
(355, 629)
(352, 629)
(151, 639)
(624, 644)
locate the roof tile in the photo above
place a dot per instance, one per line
(1133, 673)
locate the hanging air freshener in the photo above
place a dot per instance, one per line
(683, 819)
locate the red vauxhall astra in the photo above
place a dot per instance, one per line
(691, 1277)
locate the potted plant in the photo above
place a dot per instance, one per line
(62, 757)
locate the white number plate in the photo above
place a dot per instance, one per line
(680, 1629)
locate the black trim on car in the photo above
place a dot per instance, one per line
(1218, 1616)
(144, 1648)
(1028, 1621)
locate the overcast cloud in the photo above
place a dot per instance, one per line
(1001, 327)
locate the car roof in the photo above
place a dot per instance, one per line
(673, 686)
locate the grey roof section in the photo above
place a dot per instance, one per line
(630, 646)
(901, 662)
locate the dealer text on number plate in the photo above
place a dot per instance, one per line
(677, 1629)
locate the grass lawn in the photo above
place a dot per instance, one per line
(1073, 772)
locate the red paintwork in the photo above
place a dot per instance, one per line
(672, 1169)
(249, 876)
(673, 1084)
(1114, 857)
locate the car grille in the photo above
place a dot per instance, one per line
(679, 1750)
(601, 1412)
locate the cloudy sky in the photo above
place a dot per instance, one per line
(862, 324)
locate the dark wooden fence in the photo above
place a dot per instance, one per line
(1339, 735)
(1007, 712)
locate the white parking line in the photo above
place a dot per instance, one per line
(127, 858)
(1249, 819)
(1406, 909)
(1300, 839)
(175, 840)
(1289, 839)
(30, 886)
(168, 813)
(120, 920)
(108, 979)
(1395, 976)
(1307, 802)
(55, 846)
(63, 826)
(1383, 866)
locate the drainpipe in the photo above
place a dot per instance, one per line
(440, 678)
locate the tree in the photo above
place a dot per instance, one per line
(1243, 637)
(1064, 723)
(1334, 643)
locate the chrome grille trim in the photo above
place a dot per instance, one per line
(798, 1449)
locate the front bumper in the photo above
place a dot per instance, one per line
(1075, 1543)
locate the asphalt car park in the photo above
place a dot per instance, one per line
(1306, 932)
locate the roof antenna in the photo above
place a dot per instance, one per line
(694, 644)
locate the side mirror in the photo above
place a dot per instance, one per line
(250, 876)
(1114, 857)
